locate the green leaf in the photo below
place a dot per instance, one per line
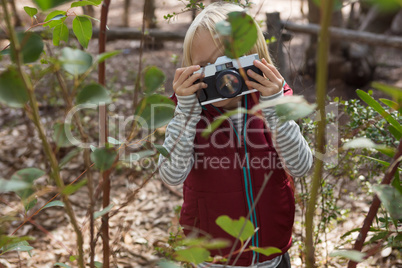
(99, 214)
(267, 251)
(55, 15)
(82, 28)
(104, 56)
(92, 18)
(69, 156)
(194, 255)
(93, 94)
(56, 203)
(394, 132)
(48, 4)
(60, 33)
(396, 183)
(391, 104)
(167, 264)
(103, 158)
(234, 227)
(224, 28)
(70, 189)
(379, 109)
(386, 164)
(391, 198)
(27, 175)
(337, 4)
(18, 246)
(293, 111)
(154, 79)
(59, 135)
(139, 155)
(75, 61)
(31, 47)
(55, 18)
(5, 52)
(219, 120)
(386, 5)
(243, 34)
(162, 150)
(62, 265)
(30, 11)
(7, 241)
(296, 106)
(73, 258)
(13, 186)
(216, 244)
(98, 264)
(12, 89)
(113, 141)
(353, 255)
(395, 92)
(155, 111)
(83, 3)
(368, 144)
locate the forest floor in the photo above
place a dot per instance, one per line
(147, 221)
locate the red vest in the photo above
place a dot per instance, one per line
(219, 185)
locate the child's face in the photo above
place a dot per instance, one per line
(204, 51)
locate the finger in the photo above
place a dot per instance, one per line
(187, 72)
(265, 91)
(265, 70)
(187, 83)
(194, 88)
(272, 68)
(184, 91)
(177, 74)
(259, 78)
(191, 80)
(254, 85)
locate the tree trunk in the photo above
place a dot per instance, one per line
(126, 12)
(149, 10)
(17, 19)
(150, 22)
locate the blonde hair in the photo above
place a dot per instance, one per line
(207, 20)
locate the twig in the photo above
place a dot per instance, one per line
(389, 174)
(139, 73)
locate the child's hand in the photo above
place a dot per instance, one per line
(183, 82)
(269, 84)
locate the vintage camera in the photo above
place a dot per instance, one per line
(224, 80)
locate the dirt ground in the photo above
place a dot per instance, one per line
(147, 221)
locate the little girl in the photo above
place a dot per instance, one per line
(223, 173)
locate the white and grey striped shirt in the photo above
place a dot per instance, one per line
(288, 141)
(290, 145)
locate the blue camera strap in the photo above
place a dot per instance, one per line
(247, 181)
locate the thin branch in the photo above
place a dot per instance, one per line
(375, 205)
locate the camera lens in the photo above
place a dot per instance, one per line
(229, 84)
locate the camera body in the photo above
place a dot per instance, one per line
(224, 80)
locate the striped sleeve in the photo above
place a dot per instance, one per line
(179, 141)
(288, 141)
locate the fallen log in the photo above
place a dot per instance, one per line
(117, 33)
(160, 35)
(347, 35)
